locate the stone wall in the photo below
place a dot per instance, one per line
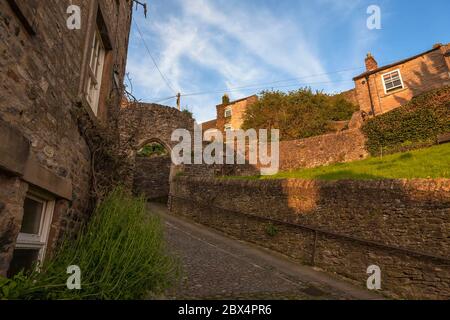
(342, 227)
(12, 193)
(152, 176)
(144, 123)
(41, 97)
(323, 150)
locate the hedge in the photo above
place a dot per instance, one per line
(414, 125)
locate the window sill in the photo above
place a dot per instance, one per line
(394, 92)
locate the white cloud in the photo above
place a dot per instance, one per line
(229, 44)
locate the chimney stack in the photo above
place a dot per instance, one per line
(225, 99)
(371, 63)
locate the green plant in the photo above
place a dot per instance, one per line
(297, 114)
(412, 126)
(152, 149)
(121, 254)
(425, 163)
(271, 230)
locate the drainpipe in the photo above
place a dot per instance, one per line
(370, 96)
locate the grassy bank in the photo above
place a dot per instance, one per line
(432, 162)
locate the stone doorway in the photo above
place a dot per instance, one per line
(153, 171)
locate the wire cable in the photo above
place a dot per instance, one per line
(153, 59)
(256, 89)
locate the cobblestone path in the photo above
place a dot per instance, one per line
(217, 267)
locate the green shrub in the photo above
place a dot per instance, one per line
(152, 150)
(414, 125)
(271, 230)
(188, 113)
(121, 254)
(297, 114)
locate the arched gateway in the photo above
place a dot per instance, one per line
(145, 133)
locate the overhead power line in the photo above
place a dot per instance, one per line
(251, 88)
(152, 58)
(266, 85)
(257, 87)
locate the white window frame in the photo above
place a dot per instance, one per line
(38, 241)
(228, 127)
(394, 89)
(95, 71)
(228, 112)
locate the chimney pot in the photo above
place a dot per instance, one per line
(371, 63)
(225, 99)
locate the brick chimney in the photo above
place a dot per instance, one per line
(371, 63)
(225, 99)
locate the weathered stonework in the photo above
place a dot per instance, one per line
(345, 226)
(41, 97)
(152, 177)
(323, 150)
(141, 124)
(12, 195)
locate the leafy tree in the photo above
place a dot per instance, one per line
(297, 114)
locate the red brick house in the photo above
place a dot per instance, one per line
(382, 89)
(230, 115)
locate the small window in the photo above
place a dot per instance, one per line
(392, 81)
(95, 71)
(228, 112)
(228, 127)
(32, 240)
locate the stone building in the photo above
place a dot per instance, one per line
(382, 89)
(52, 74)
(230, 115)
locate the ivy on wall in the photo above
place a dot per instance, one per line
(414, 125)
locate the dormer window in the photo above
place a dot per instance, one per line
(392, 81)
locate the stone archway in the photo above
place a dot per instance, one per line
(152, 174)
(142, 124)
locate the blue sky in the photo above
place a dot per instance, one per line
(241, 47)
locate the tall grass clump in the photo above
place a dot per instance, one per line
(121, 254)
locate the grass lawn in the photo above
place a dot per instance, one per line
(432, 162)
